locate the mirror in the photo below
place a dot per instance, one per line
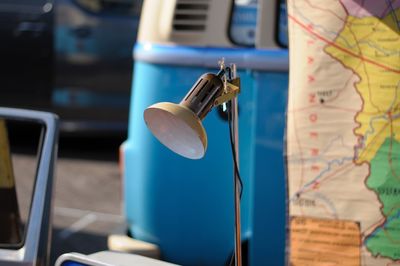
(20, 146)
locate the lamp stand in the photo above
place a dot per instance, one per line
(238, 242)
(210, 90)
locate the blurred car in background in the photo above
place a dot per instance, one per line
(93, 45)
(26, 42)
(71, 57)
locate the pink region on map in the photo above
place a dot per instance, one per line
(368, 8)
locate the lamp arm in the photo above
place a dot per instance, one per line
(232, 90)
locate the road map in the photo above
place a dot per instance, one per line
(343, 132)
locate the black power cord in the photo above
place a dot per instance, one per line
(233, 149)
(231, 136)
(235, 163)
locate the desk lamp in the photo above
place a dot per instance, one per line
(179, 126)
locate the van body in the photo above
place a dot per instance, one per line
(186, 206)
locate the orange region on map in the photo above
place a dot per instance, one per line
(315, 241)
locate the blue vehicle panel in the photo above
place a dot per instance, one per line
(180, 188)
(268, 227)
(184, 206)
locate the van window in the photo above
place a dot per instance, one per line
(244, 22)
(282, 31)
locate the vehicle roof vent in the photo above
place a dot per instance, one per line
(190, 15)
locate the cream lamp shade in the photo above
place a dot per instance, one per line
(179, 126)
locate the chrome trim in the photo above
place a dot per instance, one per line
(80, 258)
(276, 59)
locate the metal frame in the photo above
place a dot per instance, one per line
(38, 232)
(76, 258)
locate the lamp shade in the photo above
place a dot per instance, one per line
(178, 128)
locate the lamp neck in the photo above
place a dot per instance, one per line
(201, 97)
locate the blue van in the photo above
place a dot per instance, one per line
(183, 206)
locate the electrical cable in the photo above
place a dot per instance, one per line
(233, 148)
(236, 168)
(232, 139)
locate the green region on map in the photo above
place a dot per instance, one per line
(385, 181)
